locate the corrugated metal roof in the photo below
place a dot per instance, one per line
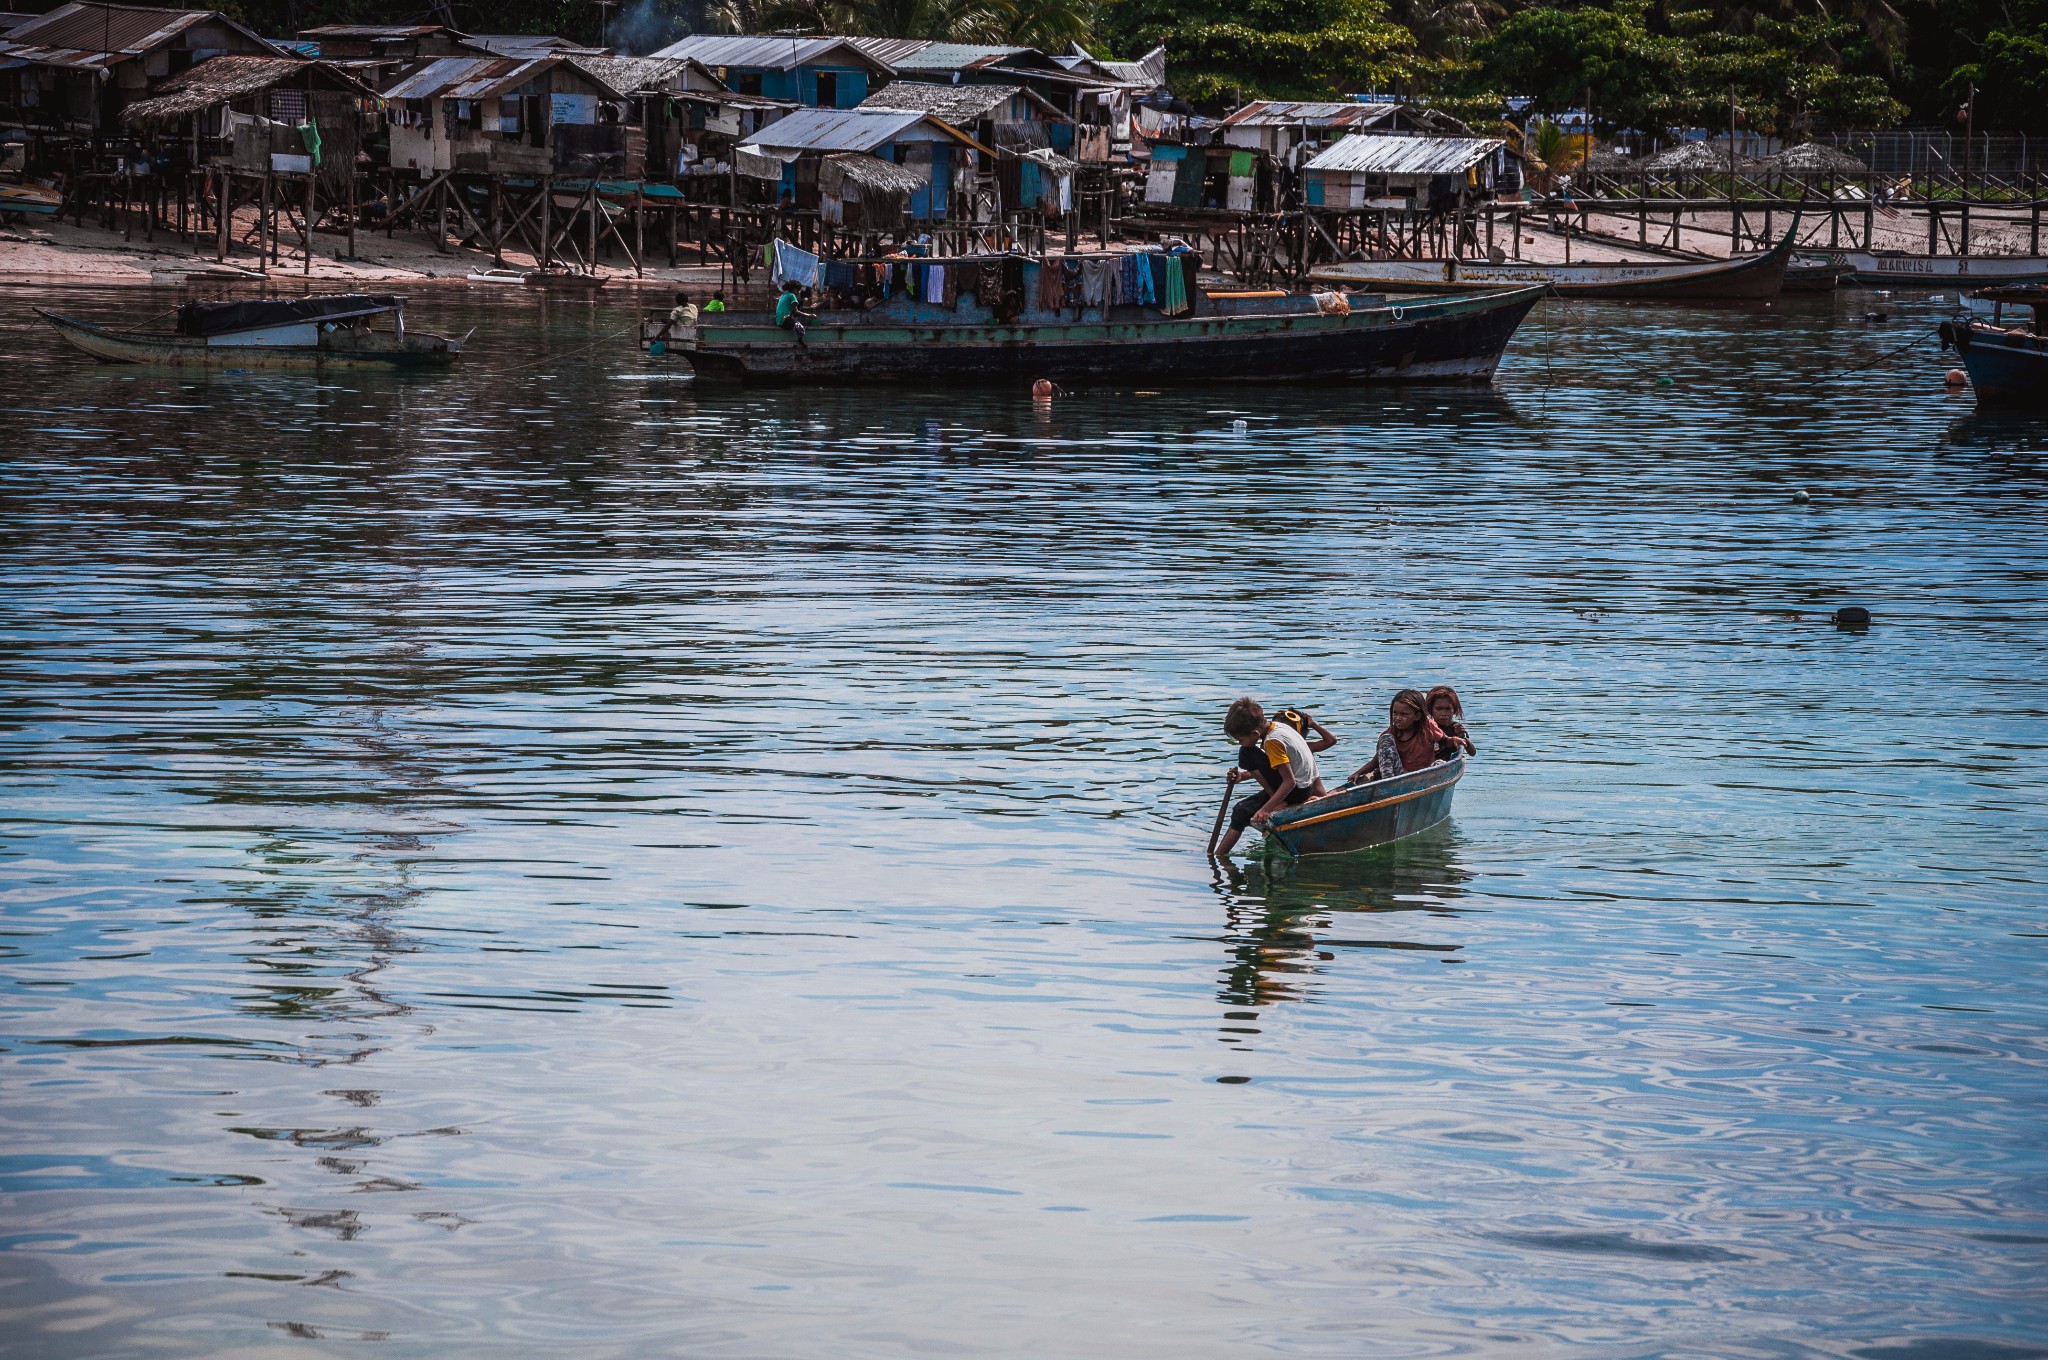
(1303, 113)
(889, 50)
(1378, 154)
(528, 44)
(376, 31)
(952, 56)
(9, 20)
(837, 129)
(218, 80)
(767, 51)
(107, 28)
(469, 77)
(86, 34)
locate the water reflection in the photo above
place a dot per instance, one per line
(1287, 917)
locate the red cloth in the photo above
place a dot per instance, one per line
(1418, 748)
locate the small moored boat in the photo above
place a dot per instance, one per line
(268, 333)
(1903, 269)
(1745, 278)
(1360, 816)
(2008, 365)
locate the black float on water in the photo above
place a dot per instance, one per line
(1852, 616)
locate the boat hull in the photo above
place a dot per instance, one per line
(1748, 278)
(1939, 271)
(415, 350)
(2005, 369)
(1446, 339)
(1361, 816)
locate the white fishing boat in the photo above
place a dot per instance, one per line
(1901, 269)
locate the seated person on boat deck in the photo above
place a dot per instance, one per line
(684, 313)
(790, 313)
(1411, 741)
(1289, 774)
(1449, 716)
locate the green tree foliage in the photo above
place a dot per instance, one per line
(1222, 53)
(1557, 56)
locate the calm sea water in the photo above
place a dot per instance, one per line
(544, 860)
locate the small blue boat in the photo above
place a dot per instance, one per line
(1360, 816)
(2008, 365)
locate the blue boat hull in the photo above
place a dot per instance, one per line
(1361, 816)
(2005, 369)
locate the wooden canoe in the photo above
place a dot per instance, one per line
(382, 349)
(1361, 816)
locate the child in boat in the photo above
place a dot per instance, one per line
(1289, 775)
(1411, 741)
(1448, 714)
(717, 303)
(790, 313)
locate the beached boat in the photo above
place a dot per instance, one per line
(1262, 336)
(1815, 274)
(1360, 816)
(1899, 269)
(268, 333)
(536, 278)
(1745, 278)
(29, 200)
(2008, 365)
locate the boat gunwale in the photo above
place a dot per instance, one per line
(1430, 779)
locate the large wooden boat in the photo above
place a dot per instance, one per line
(1745, 278)
(2008, 365)
(1360, 816)
(306, 332)
(1264, 336)
(1900, 269)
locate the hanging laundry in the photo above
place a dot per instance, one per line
(1070, 283)
(1095, 275)
(1173, 291)
(1052, 286)
(793, 266)
(988, 288)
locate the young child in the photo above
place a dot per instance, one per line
(1410, 742)
(1289, 776)
(717, 303)
(1448, 714)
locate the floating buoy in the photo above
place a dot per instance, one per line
(1664, 382)
(1852, 616)
(1239, 426)
(1042, 389)
(1956, 378)
(1800, 497)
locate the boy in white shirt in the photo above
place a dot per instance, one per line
(1287, 755)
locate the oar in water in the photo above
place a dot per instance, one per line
(1217, 830)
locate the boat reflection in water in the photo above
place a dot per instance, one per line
(1285, 918)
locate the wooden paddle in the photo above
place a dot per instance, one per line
(1229, 787)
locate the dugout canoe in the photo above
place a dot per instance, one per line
(1361, 816)
(1745, 278)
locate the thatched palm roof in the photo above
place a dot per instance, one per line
(1812, 158)
(1698, 156)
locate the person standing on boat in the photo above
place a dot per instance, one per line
(1290, 766)
(1411, 741)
